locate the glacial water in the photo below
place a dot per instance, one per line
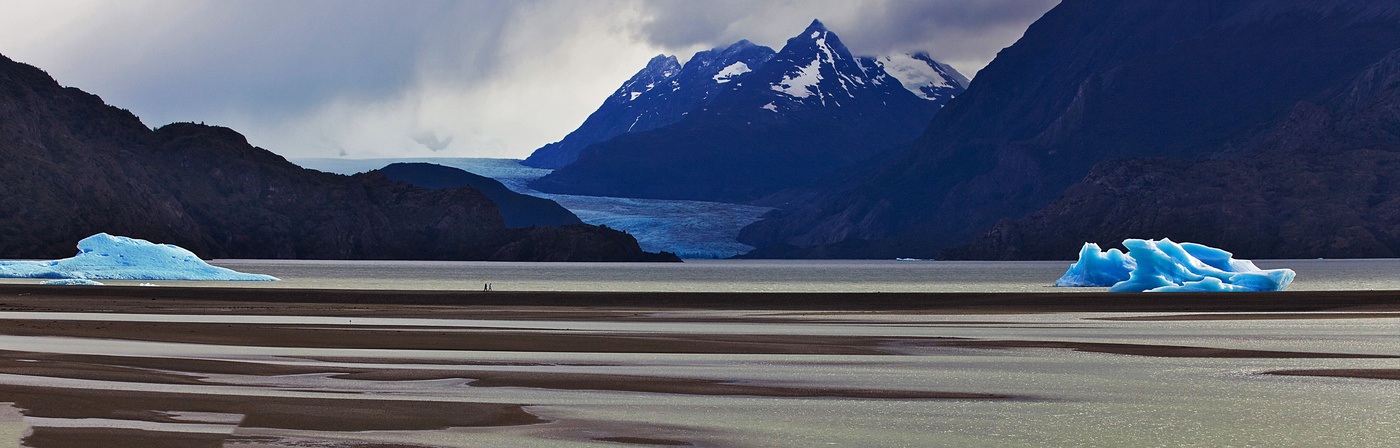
(737, 275)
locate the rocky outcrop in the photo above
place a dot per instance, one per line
(518, 210)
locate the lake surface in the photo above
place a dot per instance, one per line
(741, 275)
(734, 275)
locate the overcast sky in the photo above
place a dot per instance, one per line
(486, 78)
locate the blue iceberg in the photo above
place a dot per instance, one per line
(1164, 266)
(107, 257)
(1097, 268)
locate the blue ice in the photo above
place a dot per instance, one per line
(71, 281)
(107, 257)
(1164, 265)
(1097, 268)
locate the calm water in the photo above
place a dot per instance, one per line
(739, 275)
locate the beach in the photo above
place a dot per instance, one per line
(253, 367)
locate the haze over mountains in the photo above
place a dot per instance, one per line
(738, 123)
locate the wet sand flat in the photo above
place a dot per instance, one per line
(1379, 374)
(691, 369)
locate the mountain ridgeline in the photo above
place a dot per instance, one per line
(662, 93)
(739, 123)
(1267, 127)
(72, 166)
(518, 210)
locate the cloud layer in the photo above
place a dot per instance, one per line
(484, 78)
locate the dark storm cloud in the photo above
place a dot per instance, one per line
(498, 78)
(280, 56)
(949, 29)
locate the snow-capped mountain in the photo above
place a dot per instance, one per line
(816, 73)
(742, 128)
(815, 67)
(658, 70)
(661, 94)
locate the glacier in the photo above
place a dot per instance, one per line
(108, 257)
(1167, 266)
(689, 229)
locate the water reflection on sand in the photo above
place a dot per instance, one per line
(751, 379)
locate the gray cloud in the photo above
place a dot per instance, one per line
(965, 33)
(430, 140)
(497, 77)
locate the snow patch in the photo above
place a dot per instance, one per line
(914, 74)
(770, 106)
(733, 70)
(107, 257)
(803, 83)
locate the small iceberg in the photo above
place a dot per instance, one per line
(107, 257)
(1164, 266)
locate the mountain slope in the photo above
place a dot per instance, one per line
(1091, 81)
(660, 94)
(72, 166)
(518, 210)
(812, 109)
(616, 116)
(1324, 183)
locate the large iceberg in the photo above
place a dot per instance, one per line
(107, 257)
(1163, 265)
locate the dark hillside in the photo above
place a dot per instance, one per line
(1147, 83)
(72, 166)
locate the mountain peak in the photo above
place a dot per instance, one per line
(662, 62)
(658, 69)
(815, 26)
(742, 43)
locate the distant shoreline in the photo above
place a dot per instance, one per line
(119, 298)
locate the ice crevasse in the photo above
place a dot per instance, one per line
(108, 257)
(1164, 266)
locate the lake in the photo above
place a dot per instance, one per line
(744, 275)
